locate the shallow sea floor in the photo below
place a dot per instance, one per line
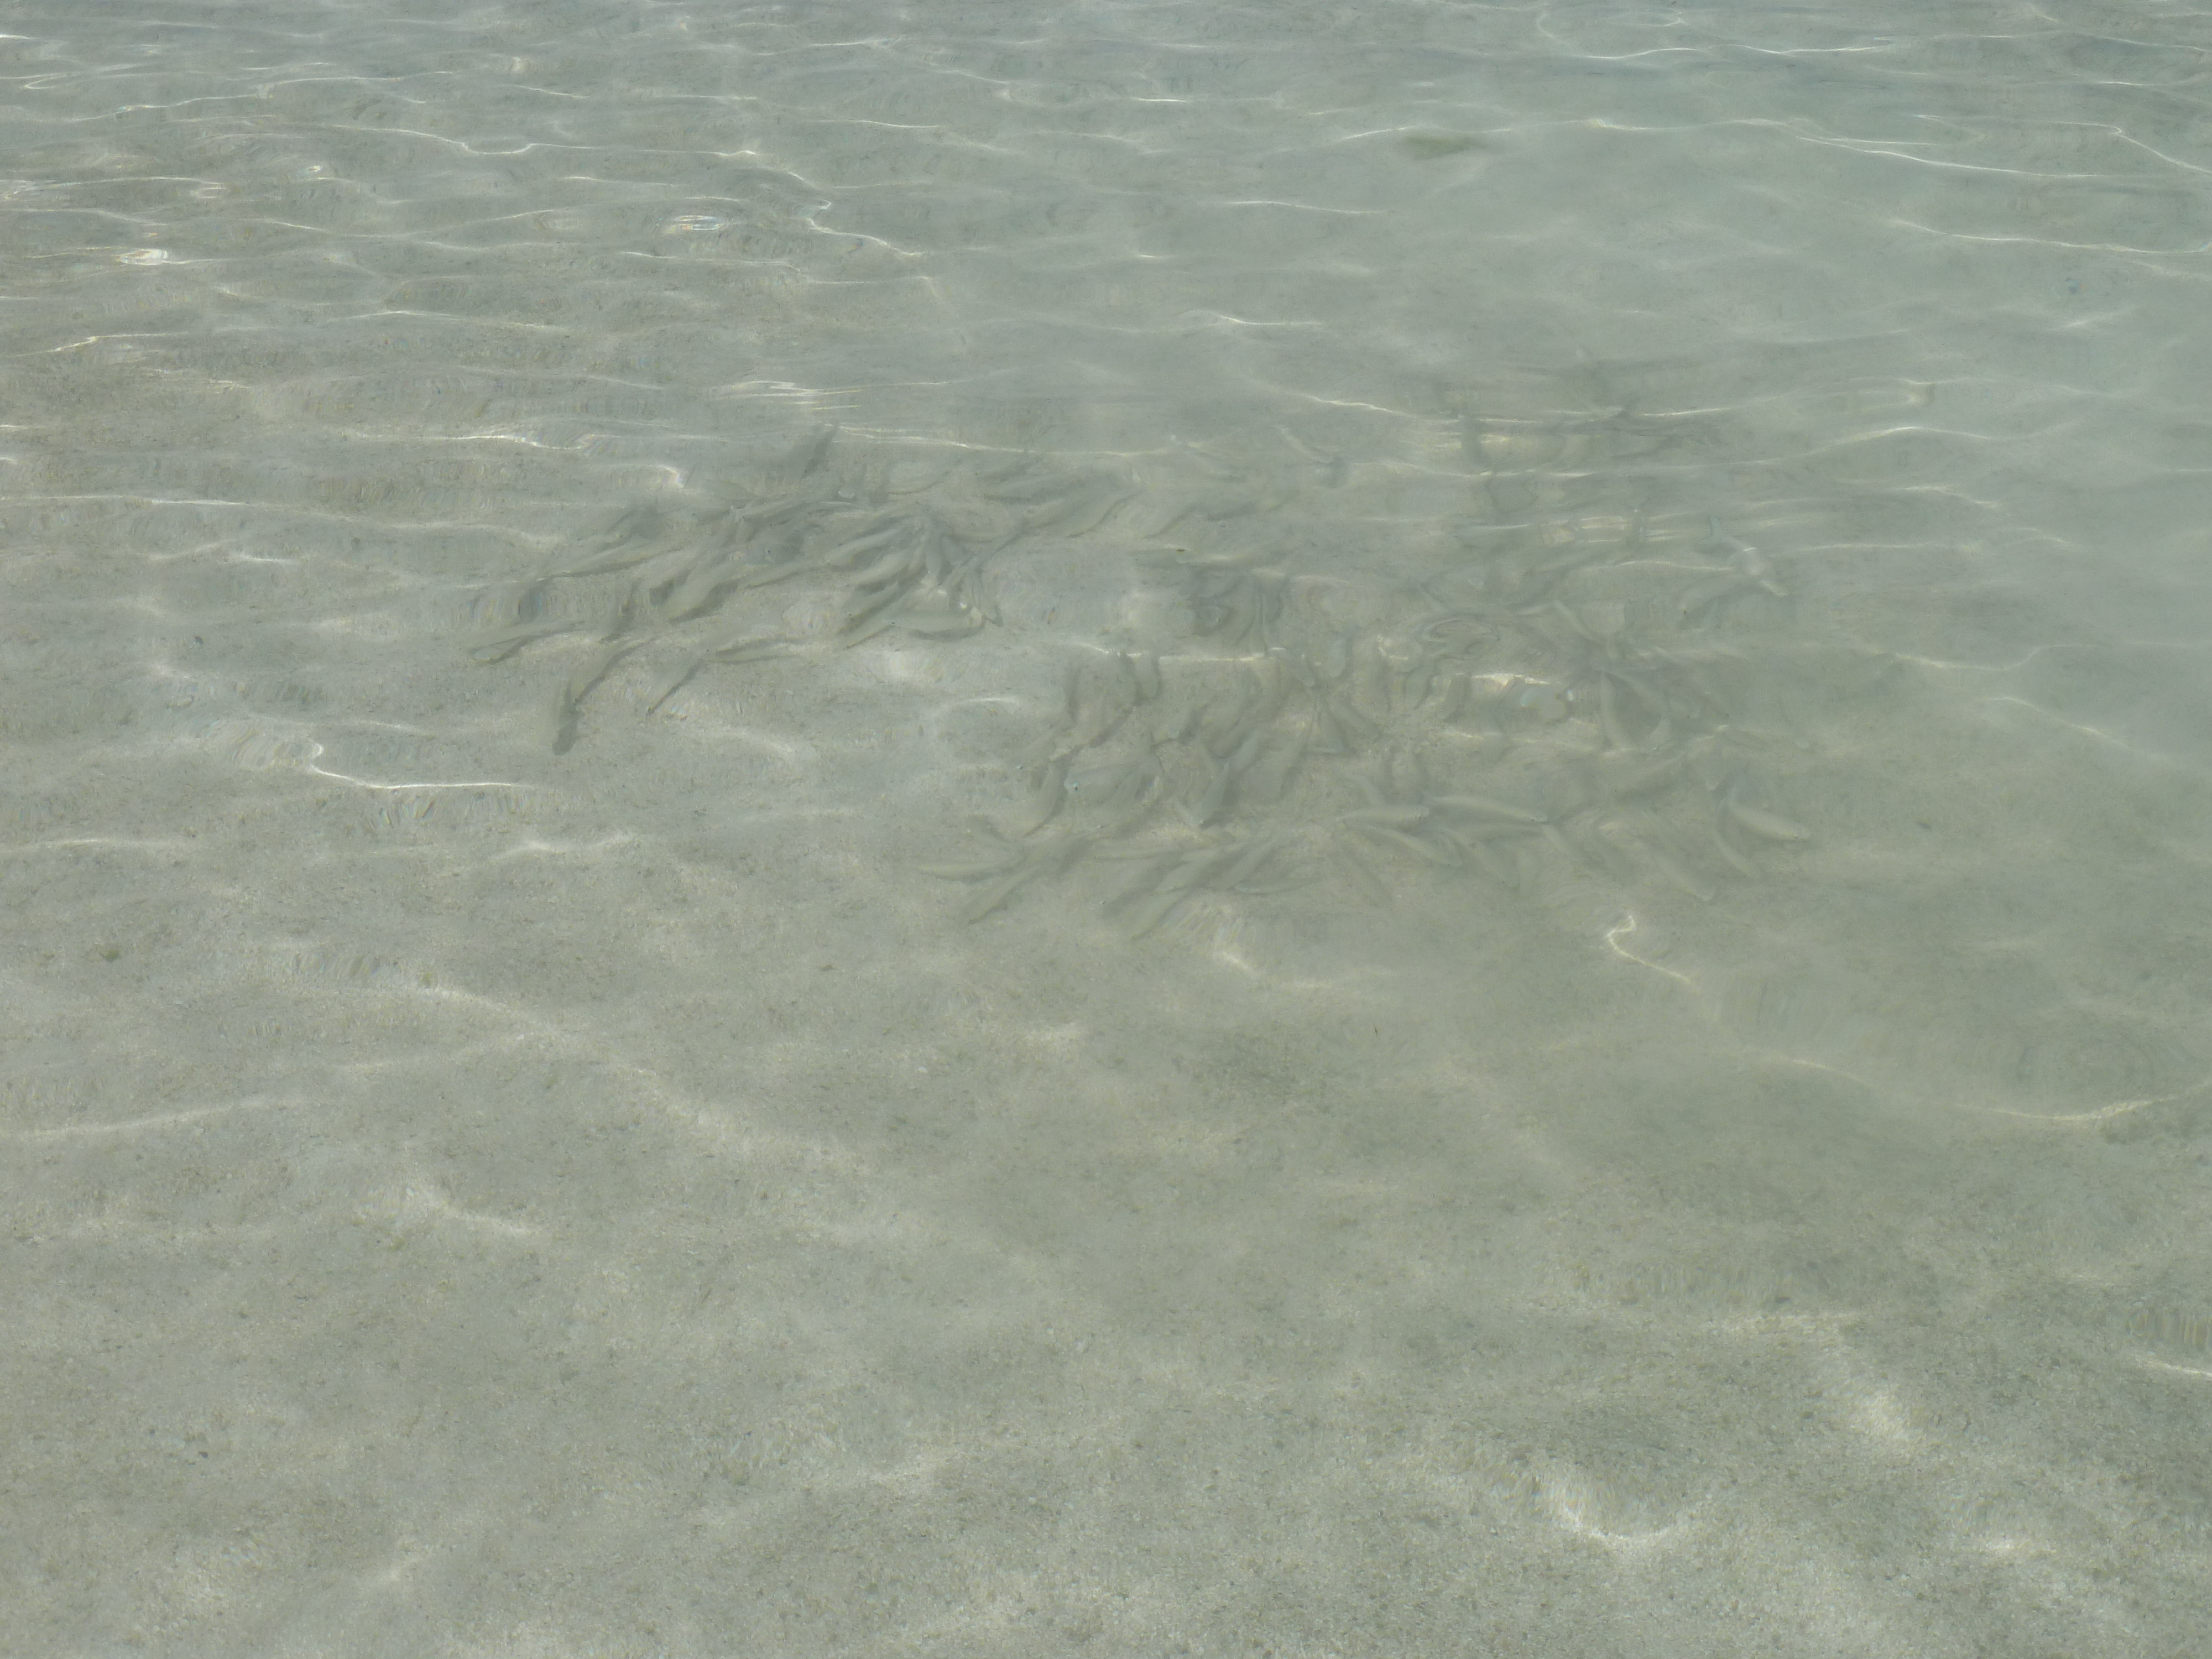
(1158, 830)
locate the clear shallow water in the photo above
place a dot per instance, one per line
(1659, 1108)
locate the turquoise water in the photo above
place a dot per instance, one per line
(1153, 828)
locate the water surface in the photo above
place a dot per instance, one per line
(1155, 829)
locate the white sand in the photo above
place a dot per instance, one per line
(463, 1199)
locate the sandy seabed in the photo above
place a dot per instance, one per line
(1361, 990)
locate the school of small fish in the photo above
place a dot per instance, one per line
(1556, 684)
